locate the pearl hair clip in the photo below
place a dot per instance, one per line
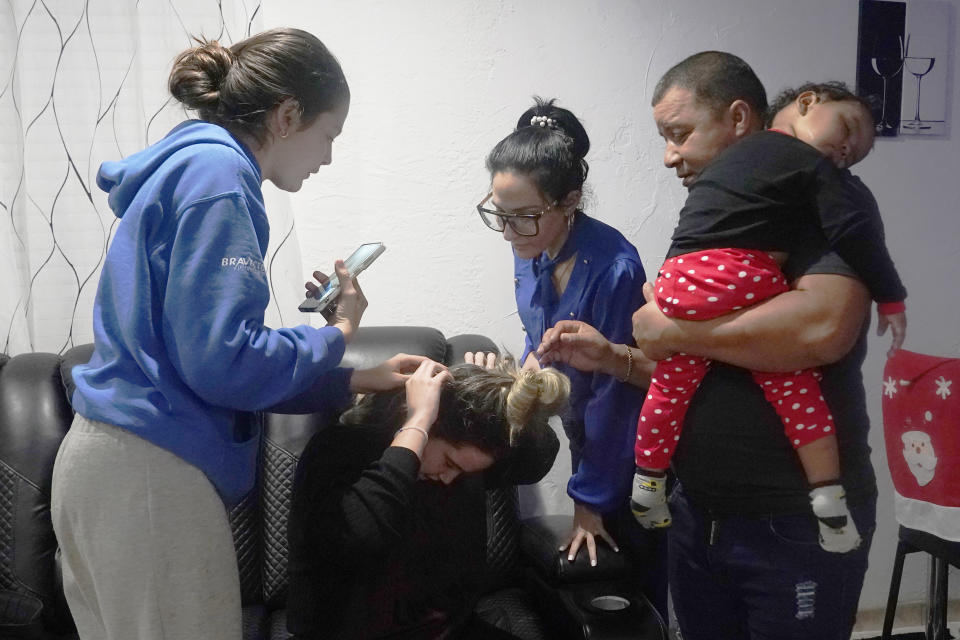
(543, 121)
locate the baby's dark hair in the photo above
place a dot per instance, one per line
(502, 411)
(831, 90)
(549, 146)
(237, 86)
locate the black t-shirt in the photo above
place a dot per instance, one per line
(734, 457)
(375, 553)
(769, 191)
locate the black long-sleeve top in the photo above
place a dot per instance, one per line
(374, 552)
(762, 192)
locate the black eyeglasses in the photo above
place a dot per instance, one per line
(523, 224)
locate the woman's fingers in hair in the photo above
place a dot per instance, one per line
(432, 370)
(423, 392)
(485, 359)
(404, 363)
(389, 374)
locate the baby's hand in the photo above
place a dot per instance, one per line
(898, 328)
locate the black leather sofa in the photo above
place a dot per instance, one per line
(533, 590)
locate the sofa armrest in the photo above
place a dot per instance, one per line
(540, 542)
(599, 603)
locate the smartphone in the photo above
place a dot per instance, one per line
(359, 260)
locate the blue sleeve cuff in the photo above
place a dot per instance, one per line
(336, 343)
(329, 392)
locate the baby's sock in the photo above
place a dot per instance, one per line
(838, 532)
(648, 501)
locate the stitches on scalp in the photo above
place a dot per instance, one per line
(236, 87)
(831, 90)
(717, 79)
(549, 146)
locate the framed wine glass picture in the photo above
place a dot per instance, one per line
(904, 65)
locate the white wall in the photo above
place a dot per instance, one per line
(436, 84)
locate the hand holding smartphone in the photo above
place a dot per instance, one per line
(359, 260)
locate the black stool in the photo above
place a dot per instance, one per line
(943, 553)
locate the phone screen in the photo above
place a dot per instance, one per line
(359, 260)
(363, 256)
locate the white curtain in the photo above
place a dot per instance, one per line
(83, 81)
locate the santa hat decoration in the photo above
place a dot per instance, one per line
(921, 420)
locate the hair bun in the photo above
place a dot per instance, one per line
(217, 61)
(541, 391)
(199, 73)
(554, 389)
(546, 114)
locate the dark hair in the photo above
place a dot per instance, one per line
(552, 155)
(237, 86)
(502, 411)
(833, 90)
(716, 79)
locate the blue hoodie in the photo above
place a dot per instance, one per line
(180, 345)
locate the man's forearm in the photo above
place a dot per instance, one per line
(812, 325)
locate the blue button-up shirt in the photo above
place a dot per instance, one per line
(604, 289)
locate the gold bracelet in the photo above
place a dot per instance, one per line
(423, 431)
(626, 378)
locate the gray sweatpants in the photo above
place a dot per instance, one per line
(146, 546)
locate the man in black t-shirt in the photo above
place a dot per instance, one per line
(744, 555)
(745, 560)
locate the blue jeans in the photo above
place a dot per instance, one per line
(762, 578)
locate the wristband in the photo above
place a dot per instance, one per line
(423, 431)
(889, 308)
(629, 365)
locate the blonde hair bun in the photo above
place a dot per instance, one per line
(535, 392)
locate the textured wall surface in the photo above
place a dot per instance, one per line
(437, 84)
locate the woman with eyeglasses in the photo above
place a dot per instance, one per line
(568, 265)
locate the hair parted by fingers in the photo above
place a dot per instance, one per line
(488, 408)
(502, 410)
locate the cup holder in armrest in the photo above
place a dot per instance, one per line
(604, 610)
(609, 603)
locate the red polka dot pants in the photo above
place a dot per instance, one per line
(700, 286)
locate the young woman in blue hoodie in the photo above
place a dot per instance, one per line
(158, 451)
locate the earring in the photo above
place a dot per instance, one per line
(570, 221)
